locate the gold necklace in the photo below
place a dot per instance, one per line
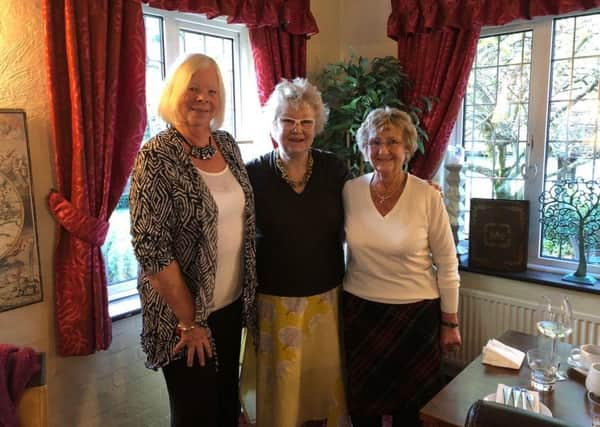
(285, 176)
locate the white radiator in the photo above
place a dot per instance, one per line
(484, 316)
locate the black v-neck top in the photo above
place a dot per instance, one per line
(299, 235)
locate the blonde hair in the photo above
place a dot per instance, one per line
(294, 93)
(384, 118)
(176, 84)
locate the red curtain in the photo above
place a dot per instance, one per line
(441, 70)
(95, 61)
(277, 54)
(414, 16)
(437, 41)
(278, 33)
(295, 14)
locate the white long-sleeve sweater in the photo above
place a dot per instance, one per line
(391, 259)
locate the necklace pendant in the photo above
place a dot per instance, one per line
(203, 153)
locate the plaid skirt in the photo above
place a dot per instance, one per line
(393, 356)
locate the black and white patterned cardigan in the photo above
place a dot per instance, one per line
(174, 217)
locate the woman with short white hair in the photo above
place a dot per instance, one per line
(300, 267)
(401, 285)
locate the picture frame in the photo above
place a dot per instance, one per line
(498, 234)
(20, 277)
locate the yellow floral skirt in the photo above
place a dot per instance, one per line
(296, 374)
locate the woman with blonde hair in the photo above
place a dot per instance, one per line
(401, 285)
(193, 228)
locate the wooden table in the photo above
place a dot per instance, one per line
(568, 401)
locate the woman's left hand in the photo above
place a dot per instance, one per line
(450, 339)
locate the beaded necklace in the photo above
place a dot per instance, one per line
(285, 176)
(203, 153)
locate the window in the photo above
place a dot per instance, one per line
(168, 35)
(531, 117)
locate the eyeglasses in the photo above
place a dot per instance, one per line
(288, 123)
(389, 143)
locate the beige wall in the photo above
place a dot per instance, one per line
(348, 26)
(23, 85)
(113, 388)
(364, 28)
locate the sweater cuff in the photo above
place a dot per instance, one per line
(449, 300)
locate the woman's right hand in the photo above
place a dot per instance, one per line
(197, 342)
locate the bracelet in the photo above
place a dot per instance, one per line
(182, 328)
(449, 324)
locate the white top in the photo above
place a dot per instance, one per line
(229, 197)
(391, 259)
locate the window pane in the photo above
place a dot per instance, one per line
(121, 265)
(486, 85)
(221, 50)
(587, 35)
(496, 121)
(563, 43)
(153, 26)
(511, 48)
(561, 81)
(572, 146)
(155, 72)
(487, 52)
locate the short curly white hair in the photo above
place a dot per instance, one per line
(294, 93)
(384, 118)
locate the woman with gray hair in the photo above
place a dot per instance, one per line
(300, 267)
(401, 285)
(193, 228)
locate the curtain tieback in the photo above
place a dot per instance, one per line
(85, 227)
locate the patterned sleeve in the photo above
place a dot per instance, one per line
(151, 210)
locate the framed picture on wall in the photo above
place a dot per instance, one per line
(20, 279)
(498, 234)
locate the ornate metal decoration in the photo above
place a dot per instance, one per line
(571, 208)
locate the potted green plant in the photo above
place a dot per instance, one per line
(352, 89)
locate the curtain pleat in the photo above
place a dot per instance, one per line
(294, 15)
(95, 57)
(437, 41)
(442, 71)
(277, 54)
(417, 16)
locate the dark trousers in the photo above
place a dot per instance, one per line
(201, 395)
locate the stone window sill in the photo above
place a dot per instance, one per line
(532, 276)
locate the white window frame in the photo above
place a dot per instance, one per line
(244, 94)
(539, 95)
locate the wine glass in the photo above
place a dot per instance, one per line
(554, 322)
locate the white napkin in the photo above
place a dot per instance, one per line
(499, 354)
(534, 394)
